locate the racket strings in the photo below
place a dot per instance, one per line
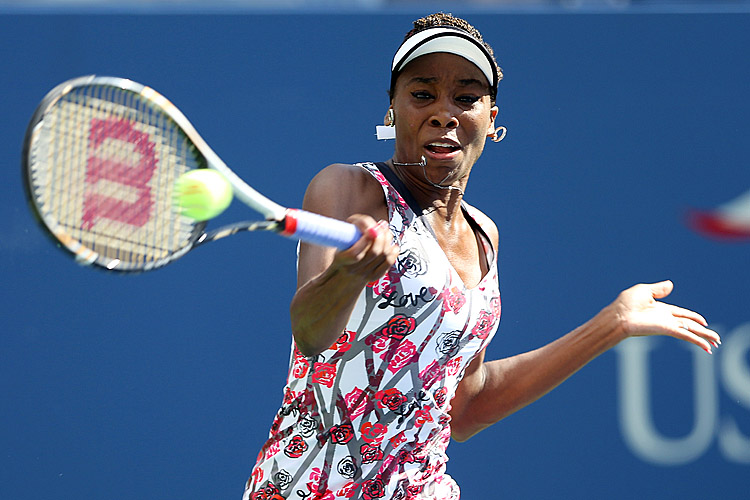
(103, 167)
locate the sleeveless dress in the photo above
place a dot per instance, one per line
(368, 418)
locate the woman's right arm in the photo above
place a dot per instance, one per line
(330, 281)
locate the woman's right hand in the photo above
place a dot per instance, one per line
(372, 255)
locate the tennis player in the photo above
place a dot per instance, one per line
(388, 359)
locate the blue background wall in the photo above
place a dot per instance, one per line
(163, 385)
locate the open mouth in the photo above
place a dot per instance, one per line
(442, 147)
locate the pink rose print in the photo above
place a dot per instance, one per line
(405, 354)
(316, 480)
(453, 300)
(484, 325)
(379, 343)
(431, 374)
(324, 373)
(356, 402)
(382, 286)
(495, 306)
(316, 477)
(273, 450)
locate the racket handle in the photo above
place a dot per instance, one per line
(320, 230)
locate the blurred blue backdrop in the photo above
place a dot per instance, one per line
(163, 385)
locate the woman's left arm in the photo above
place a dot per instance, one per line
(493, 390)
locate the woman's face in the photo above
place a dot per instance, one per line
(442, 111)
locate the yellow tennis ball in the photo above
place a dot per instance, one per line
(202, 194)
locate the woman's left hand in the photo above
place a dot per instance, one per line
(641, 313)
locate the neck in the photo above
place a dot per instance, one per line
(434, 197)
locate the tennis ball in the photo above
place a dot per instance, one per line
(202, 194)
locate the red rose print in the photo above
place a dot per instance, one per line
(452, 366)
(373, 488)
(398, 439)
(484, 325)
(348, 490)
(289, 396)
(324, 373)
(342, 343)
(342, 434)
(300, 367)
(399, 326)
(440, 396)
(423, 415)
(257, 475)
(405, 354)
(373, 433)
(406, 456)
(296, 447)
(390, 398)
(371, 453)
(268, 492)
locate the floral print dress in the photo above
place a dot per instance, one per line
(368, 418)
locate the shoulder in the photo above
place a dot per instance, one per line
(487, 225)
(340, 190)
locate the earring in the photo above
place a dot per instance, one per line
(388, 129)
(498, 138)
(388, 121)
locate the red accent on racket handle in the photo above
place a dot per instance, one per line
(320, 230)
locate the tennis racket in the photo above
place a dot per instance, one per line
(100, 159)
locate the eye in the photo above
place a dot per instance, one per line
(421, 94)
(467, 99)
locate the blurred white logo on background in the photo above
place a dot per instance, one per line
(636, 412)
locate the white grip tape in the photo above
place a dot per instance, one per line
(320, 230)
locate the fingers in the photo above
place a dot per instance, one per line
(644, 314)
(696, 332)
(661, 289)
(375, 251)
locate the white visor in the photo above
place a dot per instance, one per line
(450, 40)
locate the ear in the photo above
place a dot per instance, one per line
(388, 120)
(493, 115)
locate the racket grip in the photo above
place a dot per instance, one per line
(320, 230)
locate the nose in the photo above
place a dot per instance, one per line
(443, 116)
(444, 122)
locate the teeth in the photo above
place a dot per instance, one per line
(442, 145)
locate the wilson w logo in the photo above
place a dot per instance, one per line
(121, 163)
